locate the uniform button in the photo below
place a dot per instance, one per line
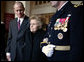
(49, 35)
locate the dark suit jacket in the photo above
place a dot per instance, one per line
(15, 42)
(33, 52)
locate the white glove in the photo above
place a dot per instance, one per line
(48, 50)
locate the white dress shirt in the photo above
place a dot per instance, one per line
(21, 20)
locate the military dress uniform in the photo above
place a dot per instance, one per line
(65, 32)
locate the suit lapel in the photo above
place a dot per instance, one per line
(15, 26)
(24, 24)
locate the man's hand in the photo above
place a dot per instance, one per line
(8, 56)
(48, 50)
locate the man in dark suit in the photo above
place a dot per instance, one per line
(17, 28)
(64, 38)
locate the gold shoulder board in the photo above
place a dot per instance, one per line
(77, 5)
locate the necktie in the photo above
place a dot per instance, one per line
(19, 25)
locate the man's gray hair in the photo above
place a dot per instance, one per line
(19, 3)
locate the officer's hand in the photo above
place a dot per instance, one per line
(48, 50)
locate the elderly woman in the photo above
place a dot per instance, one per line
(33, 40)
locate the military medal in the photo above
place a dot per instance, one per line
(60, 36)
(55, 28)
(61, 24)
(49, 35)
(62, 28)
(65, 30)
(57, 20)
(56, 25)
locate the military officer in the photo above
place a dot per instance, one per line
(64, 37)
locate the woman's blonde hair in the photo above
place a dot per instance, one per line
(38, 19)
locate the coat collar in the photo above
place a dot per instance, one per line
(65, 8)
(15, 26)
(24, 23)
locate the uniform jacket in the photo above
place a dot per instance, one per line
(72, 37)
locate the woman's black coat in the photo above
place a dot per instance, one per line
(32, 48)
